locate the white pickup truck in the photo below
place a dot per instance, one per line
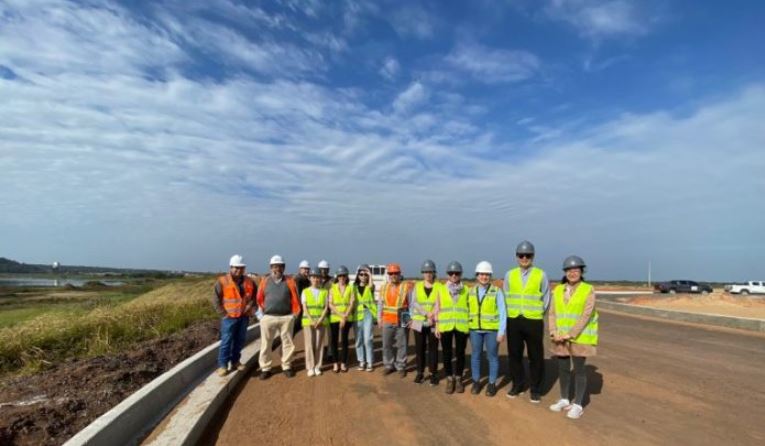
(751, 287)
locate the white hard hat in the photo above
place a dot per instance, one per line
(276, 260)
(324, 264)
(237, 261)
(304, 264)
(484, 267)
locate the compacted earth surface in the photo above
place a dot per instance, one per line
(50, 407)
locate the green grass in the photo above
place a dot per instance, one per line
(51, 332)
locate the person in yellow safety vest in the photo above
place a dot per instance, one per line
(366, 312)
(422, 302)
(342, 316)
(486, 321)
(314, 300)
(234, 300)
(573, 324)
(452, 324)
(393, 305)
(527, 297)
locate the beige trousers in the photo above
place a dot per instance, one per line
(270, 326)
(314, 346)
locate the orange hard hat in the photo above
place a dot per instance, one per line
(393, 268)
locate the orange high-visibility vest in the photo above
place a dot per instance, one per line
(394, 298)
(233, 302)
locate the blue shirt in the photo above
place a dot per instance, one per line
(500, 306)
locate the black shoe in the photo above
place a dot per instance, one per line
(459, 388)
(514, 391)
(476, 389)
(289, 373)
(402, 372)
(535, 398)
(491, 389)
(387, 371)
(433, 380)
(419, 378)
(265, 374)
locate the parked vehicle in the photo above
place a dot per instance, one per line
(751, 287)
(683, 286)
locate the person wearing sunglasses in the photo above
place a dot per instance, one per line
(391, 315)
(422, 301)
(341, 303)
(527, 296)
(314, 301)
(451, 311)
(366, 312)
(573, 324)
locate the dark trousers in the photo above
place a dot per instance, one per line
(528, 332)
(339, 356)
(298, 322)
(460, 340)
(426, 340)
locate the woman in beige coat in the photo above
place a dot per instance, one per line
(573, 323)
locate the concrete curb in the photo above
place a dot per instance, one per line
(133, 418)
(717, 320)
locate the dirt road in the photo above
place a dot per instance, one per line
(652, 383)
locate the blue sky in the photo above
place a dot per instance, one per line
(174, 134)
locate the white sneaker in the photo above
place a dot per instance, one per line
(369, 367)
(360, 367)
(562, 404)
(317, 371)
(575, 412)
(310, 373)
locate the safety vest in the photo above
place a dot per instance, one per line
(365, 301)
(233, 301)
(392, 305)
(453, 316)
(525, 300)
(340, 301)
(567, 314)
(423, 300)
(483, 316)
(315, 304)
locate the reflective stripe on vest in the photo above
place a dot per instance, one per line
(453, 316)
(568, 314)
(315, 305)
(340, 301)
(390, 309)
(232, 301)
(525, 300)
(423, 300)
(365, 301)
(483, 316)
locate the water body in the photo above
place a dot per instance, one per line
(35, 281)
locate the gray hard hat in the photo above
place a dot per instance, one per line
(342, 270)
(525, 247)
(428, 266)
(314, 272)
(454, 267)
(363, 266)
(573, 262)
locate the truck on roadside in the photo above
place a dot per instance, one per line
(682, 286)
(751, 287)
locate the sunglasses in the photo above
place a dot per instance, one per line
(525, 256)
(454, 274)
(362, 274)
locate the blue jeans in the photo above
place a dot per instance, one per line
(477, 340)
(363, 333)
(233, 332)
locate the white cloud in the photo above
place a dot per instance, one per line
(493, 65)
(414, 21)
(602, 18)
(414, 95)
(390, 68)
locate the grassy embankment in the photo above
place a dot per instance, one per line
(37, 330)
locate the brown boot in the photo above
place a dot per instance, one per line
(460, 386)
(450, 382)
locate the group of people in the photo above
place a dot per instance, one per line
(449, 313)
